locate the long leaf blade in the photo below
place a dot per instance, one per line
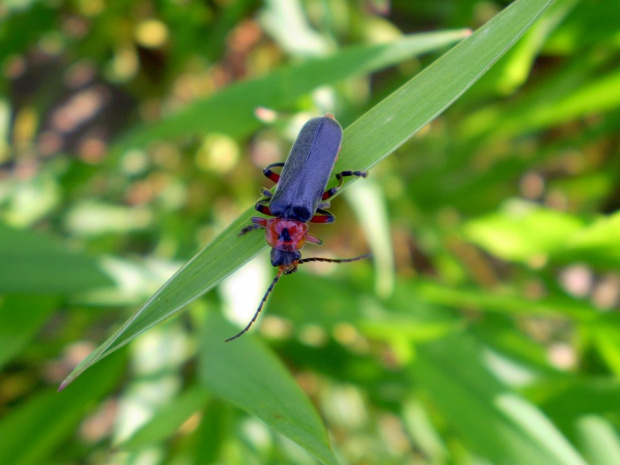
(231, 111)
(372, 137)
(250, 376)
(498, 423)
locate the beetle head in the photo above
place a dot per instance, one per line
(286, 261)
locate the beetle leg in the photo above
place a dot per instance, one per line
(323, 217)
(275, 177)
(262, 207)
(258, 223)
(314, 240)
(340, 177)
(265, 193)
(324, 205)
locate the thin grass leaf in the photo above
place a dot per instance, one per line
(558, 306)
(371, 138)
(231, 111)
(599, 440)
(33, 263)
(249, 375)
(498, 423)
(167, 421)
(523, 231)
(46, 420)
(21, 317)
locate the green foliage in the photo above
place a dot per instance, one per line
(486, 330)
(249, 376)
(35, 264)
(496, 421)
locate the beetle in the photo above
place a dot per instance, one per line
(300, 198)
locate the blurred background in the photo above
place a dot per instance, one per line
(494, 231)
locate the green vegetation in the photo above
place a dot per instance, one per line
(485, 329)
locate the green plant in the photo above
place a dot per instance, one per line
(490, 342)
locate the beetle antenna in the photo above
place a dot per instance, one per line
(260, 307)
(333, 260)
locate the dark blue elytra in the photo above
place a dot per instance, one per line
(307, 170)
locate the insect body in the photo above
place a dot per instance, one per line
(300, 198)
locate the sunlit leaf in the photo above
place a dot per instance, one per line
(371, 138)
(35, 264)
(599, 440)
(522, 232)
(250, 376)
(168, 419)
(232, 111)
(21, 316)
(41, 424)
(498, 424)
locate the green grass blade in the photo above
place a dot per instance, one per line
(523, 232)
(498, 424)
(372, 137)
(44, 422)
(599, 440)
(231, 111)
(33, 263)
(166, 422)
(250, 376)
(21, 317)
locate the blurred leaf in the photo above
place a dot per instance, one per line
(598, 242)
(372, 137)
(424, 433)
(599, 440)
(566, 400)
(498, 424)
(606, 336)
(514, 68)
(580, 90)
(592, 22)
(231, 111)
(286, 22)
(36, 427)
(212, 433)
(598, 95)
(482, 299)
(35, 264)
(522, 231)
(168, 420)
(367, 197)
(250, 376)
(327, 302)
(19, 29)
(21, 317)
(531, 355)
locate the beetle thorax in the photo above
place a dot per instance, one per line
(285, 234)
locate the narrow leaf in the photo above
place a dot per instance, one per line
(168, 420)
(599, 439)
(21, 317)
(35, 264)
(496, 422)
(249, 375)
(371, 138)
(38, 426)
(231, 111)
